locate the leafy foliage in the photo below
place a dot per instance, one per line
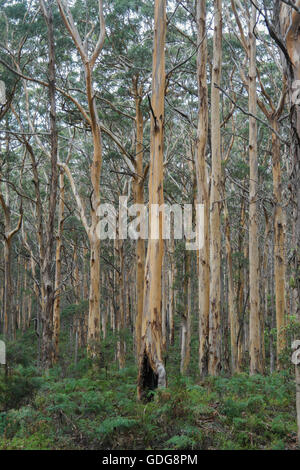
(90, 408)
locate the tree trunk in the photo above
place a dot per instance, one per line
(288, 22)
(18, 294)
(152, 372)
(95, 171)
(139, 199)
(186, 316)
(265, 275)
(256, 335)
(240, 288)
(94, 297)
(8, 292)
(9, 315)
(25, 302)
(231, 304)
(105, 312)
(272, 314)
(279, 251)
(120, 303)
(56, 308)
(46, 263)
(171, 286)
(214, 365)
(164, 300)
(202, 188)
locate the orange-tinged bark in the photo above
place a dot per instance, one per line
(214, 364)
(202, 188)
(256, 327)
(152, 372)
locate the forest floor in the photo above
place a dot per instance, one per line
(86, 406)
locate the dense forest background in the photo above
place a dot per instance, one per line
(136, 344)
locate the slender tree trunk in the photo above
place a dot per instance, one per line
(298, 399)
(105, 310)
(94, 297)
(76, 273)
(152, 372)
(164, 300)
(266, 304)
(171, 286)
(256, 335)
(2, 307)
(46, 263)
(214, 365)
(56, 308)
(287, 21)
(120, 304)
(279, 248)
(85, 279)
(29, 306)
(9, 314)
(113, 310)
(272, 313)
(139, 199)
(25, 299)
(186, 316)
(240, 289)
(18, 306)
(8, 292)
(231, 304)
(95, 171)
(202, 188)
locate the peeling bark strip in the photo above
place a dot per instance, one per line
(214, 365)
(152, 372)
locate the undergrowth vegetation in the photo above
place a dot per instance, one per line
(94, 406)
